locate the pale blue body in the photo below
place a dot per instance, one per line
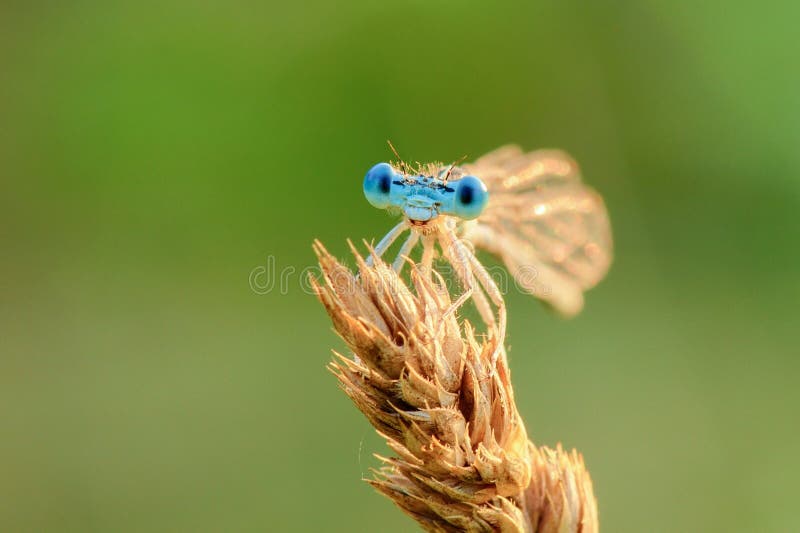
(423, 198)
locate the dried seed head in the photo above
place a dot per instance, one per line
(426, 382)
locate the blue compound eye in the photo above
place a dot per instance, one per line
(378, 185)
(471, 197)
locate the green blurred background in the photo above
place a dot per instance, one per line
(152, 154)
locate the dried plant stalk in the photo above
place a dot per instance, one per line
(463, 458)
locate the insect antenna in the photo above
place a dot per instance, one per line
(449, 170)
(402, 163)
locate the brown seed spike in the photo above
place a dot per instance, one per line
(463, 461)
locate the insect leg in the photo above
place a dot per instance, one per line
(458, 255)
(386, 242)
(404, 251)
(453, 308)
(494, 293)
(483, 237)
(428, 249)
(486, 280)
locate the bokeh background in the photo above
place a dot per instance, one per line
(153, 154)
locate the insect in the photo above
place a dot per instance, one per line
(531, 210)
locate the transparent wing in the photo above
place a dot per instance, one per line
(549, 228)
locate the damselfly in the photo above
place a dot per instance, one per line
(531, 210)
